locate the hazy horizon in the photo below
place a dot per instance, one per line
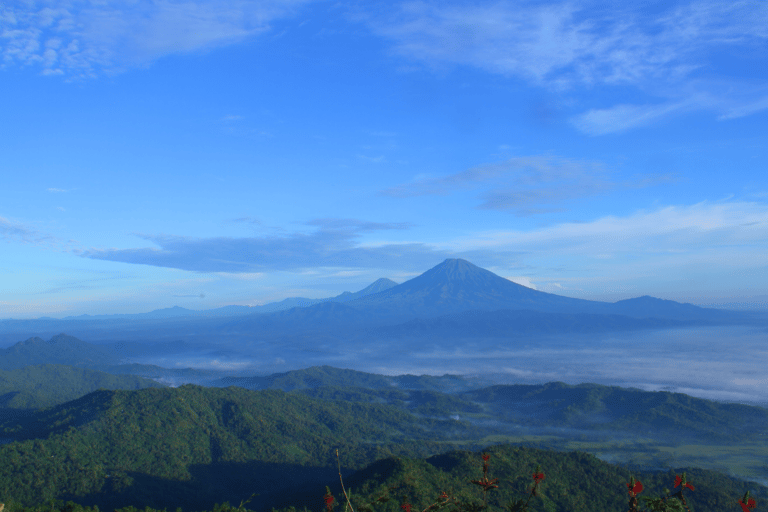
(757, 303)
(725, 363)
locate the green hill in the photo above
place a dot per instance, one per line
(574, 482)
(194, 447)
(61, 349)
(47, 385)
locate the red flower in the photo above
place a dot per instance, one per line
(751, 504)
(487, 485)
(486, 457)
(406, 506)
(678, 480)
(537, 477)
(637, 489)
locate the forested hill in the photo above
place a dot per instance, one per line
(47, 385)
(193, 447)
(574, 482)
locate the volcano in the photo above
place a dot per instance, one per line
(457, 285)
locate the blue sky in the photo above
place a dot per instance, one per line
(233, 152)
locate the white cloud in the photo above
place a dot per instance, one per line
(708, 246)
(80, 39)
(566, 46)
(522, 280)
(623, 117)
(746, 109)
(526, 185)
(14, 230)
(671, 228)
(560, 42)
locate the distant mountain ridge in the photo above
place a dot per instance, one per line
(62, 349)
(453, 287)
(48, 385)
(236, 310)
(456, 287)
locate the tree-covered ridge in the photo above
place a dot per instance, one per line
(590, 407)
(586, 406)
(193, 447)
(595, 407)
(419, 402)
(47, 385)
(575, 482)
(60, 349)
(322, 376)
(612, 408)
(193, 442)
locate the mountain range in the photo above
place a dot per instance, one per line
(431, 303)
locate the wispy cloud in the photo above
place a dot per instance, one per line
(729, 236)
(746, 108)
(56, 190)
(522, 280)
(14, 229)
(666, 229)
(330, 246)
(247, 220)
(724, 241)
(87, 38)
(17, 231)
(558, 43)
(526, 185)
(566, 46)
(67, 278)
(623, 117)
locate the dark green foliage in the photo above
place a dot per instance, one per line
(46, 385)
(673, 416)
(61, 348)
(575, 482)
(195, 447)
(327, 376)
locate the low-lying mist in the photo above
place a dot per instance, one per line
(725, 364)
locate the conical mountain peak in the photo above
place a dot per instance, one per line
(377, 286)
(458, 285)
(456, 269)
(461, 280)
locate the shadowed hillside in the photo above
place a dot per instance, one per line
(193, 447)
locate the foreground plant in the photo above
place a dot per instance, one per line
(635, 487)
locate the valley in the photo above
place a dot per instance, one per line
(176, 409)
